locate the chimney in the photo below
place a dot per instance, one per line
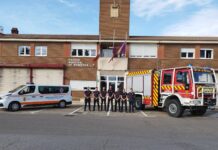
(14, 31)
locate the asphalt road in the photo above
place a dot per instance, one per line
(73, 129)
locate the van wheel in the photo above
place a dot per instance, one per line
(199, 111)
(14, 106)
(138, 103)
(174, 108)
(62, 104)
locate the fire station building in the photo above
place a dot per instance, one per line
(71, 59)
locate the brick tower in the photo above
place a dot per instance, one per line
(114, 19)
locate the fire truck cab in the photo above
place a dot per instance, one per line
(175, 89)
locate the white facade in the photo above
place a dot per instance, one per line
(117, 64)
(79, 85)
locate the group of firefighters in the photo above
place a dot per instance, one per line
(120, 97)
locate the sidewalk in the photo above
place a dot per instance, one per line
(81, 102)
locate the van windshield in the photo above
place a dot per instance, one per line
(204, 77)
(17, 88)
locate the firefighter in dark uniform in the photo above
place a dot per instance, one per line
(117, 97)
(87, 95)
(103, 96)
(131, 97)
(110, 98)
(124, 100)
(96, 94)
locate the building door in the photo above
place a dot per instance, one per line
(166, 83)
(183, 83)
(48, 76)
(11, 78)
(117, 82)
(112, 84)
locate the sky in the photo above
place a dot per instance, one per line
(147, 17)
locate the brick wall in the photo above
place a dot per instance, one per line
(120, 24)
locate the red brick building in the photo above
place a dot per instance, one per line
(68, 59)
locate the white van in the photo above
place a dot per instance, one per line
(36, 95)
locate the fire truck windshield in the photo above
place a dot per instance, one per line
(204, 77)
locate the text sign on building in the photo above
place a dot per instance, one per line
(76, 62)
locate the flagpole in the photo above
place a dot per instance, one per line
(114, 37)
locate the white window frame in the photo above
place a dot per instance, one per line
(116, 81)
(90, 50)
(143, 56)
(25, 53)
(205, 49)
(41, 51)
(187, 50)
(114, 12)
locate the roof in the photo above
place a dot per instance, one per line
(96, 38)
(48, 36)
(174, 38)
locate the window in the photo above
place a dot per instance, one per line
(143, 50)
(114, 11)
(83, 53)
(167, 78)
(182, 77)
(74, 52)
(117, 82)
(24, 51)
(41, 51)
(53, 89)
(204, 77)
(27, 90)
(206, 54)
(83, 49)
(187, 53)
(80, 52)
(107, 53)
(87, 52)
(120, 83)
(93, 52)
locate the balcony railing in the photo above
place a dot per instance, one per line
(114, 65)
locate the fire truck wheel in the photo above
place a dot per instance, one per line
(174, 108)
(199, 111)
(138, 103)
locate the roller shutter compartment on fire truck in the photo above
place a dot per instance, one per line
(141, 83)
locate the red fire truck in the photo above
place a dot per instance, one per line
(175, 89)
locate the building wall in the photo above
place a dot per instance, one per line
(172, 56)
(59, 53)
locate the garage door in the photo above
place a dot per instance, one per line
(48, 76)
(11, 78)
